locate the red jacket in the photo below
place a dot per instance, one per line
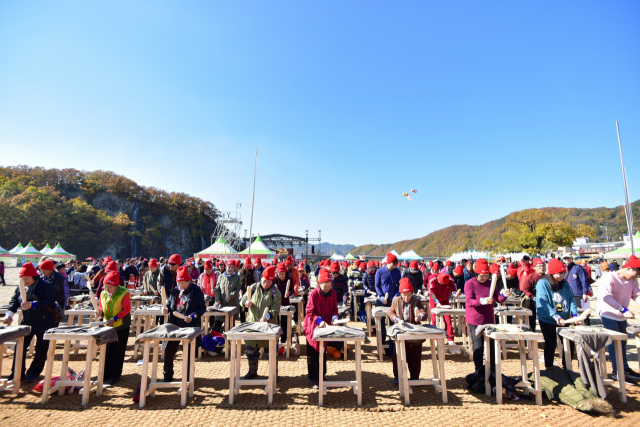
(441, 292)
(319, 306)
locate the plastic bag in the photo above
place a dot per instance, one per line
(40, 386)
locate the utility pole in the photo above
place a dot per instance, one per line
(319, 242)
(306, 244)
(606, 230)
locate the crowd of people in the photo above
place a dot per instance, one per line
(553, 289)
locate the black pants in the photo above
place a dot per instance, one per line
(284, 324)
(383, 320)
(477, 345)
(170, 350)
(2, 278)
(114, 356)
(39, 358)
(414, 359)
(550, 343)
(313, 362)
(532, 318)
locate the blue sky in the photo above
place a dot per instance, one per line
(484, 107)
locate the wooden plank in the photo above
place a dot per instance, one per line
(185, 372)
(65, 363)
(192, 367)
(232, 373)
(101, 362)
(87, 374)
(443, 378)
(620, 365)
(145, 367)
(359, 371)
(320, 378)
(498, 370)
(51, 354)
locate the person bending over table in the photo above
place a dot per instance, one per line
(188, 300)
(403, 311)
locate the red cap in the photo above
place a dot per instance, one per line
(220, 264)
(377, 263)
(335, 267)
(371, 264)
(443, 278)
(406, 264)
(175, 259)
(556, 266)
(28, 270)
(269, 273)
(502, 259)
(537, 261)
(107, 259)
(183, 275)
(112, 278)
(267, 264)
(301, 266)
(281, 268)
(430, 263)
(495, 268)
(457, 270)
(405, 285)
(154, 263)
(258, 261)
(435, 266)
(288, 261)
(47, 265)
(482, 266)
(448, 264)
(414, 265)
(247, 262)
(111, 266)
(511, 271)
(391, 258)
(232, 262)
(208, 264)
(324, 276)
(632, 263)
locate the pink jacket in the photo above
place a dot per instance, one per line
(319, 307)
(615, 293)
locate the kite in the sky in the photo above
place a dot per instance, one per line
(408, 195)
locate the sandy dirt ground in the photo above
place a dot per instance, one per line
(296, 403)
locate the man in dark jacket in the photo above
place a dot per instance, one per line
(577, 278)
(340, 284)
(387, 286)
(414, 275)
(131, 270)
(167, 278)
(56, 280)
(187, 299)
(368, 278)
(35, 312)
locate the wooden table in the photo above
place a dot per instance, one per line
(227, 313)
(14, 384)
(188, 363)
(637, 335)
(382, 315)
(459, 313)
(72, 313)
(522, 318)
(439, 380)
(617, 338)
(235, 381)
(357, 384)
(149, 316)
(61, 385)
(521, 338)
(12, 344)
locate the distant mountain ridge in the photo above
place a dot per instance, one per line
(458, 238)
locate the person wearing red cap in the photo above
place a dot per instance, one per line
(188, 300)
(387, 282)
(340, 284)
(479, 308)
(193, 271)
(449, 266)
(246, 279)
(282, 281)
(616, 289)
(295, 275)
(208, 280)
(555, 304)
(468, 270)
(414, 275)
(131, 270)
(37, 312)
(258, 269)
(49, 274)
(115, 309)
(322, 309)
(264, 298)
(167, 278)
(227, 292)
(151, 278)
(528, 288)
(403, 310)
(434, 270)
(458, 278)
(441, 287)
(111, 266)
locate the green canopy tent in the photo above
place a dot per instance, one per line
(625, 251)
(17, 248)
(7, 257)
(350, 257)
(258, 250)
(29, 254)
(59, 254)
(220, 249)
(46, 249)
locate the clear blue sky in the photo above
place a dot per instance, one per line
(505, 105)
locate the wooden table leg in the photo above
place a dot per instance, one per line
(65, 364)
(359, 372)
(379, 336)
(434, 357)
(321, 377)
(442, 377)
(143, 378)
(17, 371)
(154, 364)
(273, 354)
(289, 336)
(399, 367)
(136, 346)
(238, 344)
(567, 353)
(185, 372)
(368, 310)
(192, 367)
(536, 373)
(638, 349)
(51, 354)
(523, 363)
(103, 350)
(80, 322)
(487, 365)
(619, 361)
(403, 362)
(528, 343)
(232, 373)
(498, 346)
(226, 342)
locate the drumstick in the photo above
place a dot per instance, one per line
(494, 280)
(23, 291)
(264, 314)
(286, 290)
(179, 315)
(226, 288)
(580, 318)
(164, 297)
(249, 294)
(416, 313)
(504, 279)
(96, 307)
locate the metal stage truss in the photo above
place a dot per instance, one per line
(283, 241)
(228, 226)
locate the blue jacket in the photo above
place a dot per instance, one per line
(369, 281)
(577, 278)
(550, 304)
(387, 281)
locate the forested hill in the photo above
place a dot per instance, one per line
(503, 234)
(99, 213)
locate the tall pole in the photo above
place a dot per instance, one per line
(306, 244)
(253, 200)
(627, 206)
(320, 242)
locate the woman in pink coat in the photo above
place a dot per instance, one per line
(322, 310)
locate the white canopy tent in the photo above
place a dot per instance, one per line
(410, 256)
(59, 253)
(220, 247)
(337, 257)
(19, 247)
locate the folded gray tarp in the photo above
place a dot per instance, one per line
(338, 332)
(8, 333)
(370, 300)
(509, 329)
(408, 328)
(150, 307)
(222, 310)
(260, 327)
(150, 298)
(287, 308)
(380, 311)
(102, 335)
(170, 330)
